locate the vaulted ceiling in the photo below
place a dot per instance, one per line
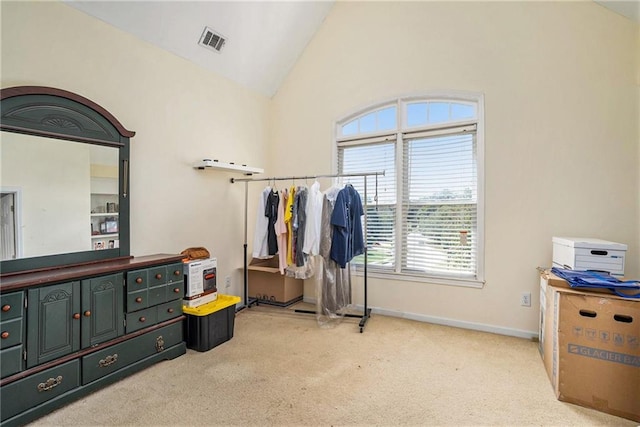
(263, 39)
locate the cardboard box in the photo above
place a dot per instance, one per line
(587, 254)
(590, 345)
(204, 298)
(269, 286)
(200, 278)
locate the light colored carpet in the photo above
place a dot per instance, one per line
(280, 368)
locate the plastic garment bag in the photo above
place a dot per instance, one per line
(333, 284)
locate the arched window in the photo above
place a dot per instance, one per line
(427, 220)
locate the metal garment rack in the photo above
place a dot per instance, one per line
(366, 311)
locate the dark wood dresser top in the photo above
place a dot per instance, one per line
(75, 272)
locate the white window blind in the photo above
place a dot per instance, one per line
(427, 221)
(439, 204)
(381, 213)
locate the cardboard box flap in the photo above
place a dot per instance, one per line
(269, 265)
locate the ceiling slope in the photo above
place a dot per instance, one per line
(264, 39)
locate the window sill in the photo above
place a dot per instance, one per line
(466, 283)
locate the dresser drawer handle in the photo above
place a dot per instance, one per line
(176, 273)
(171, 310)
(139, 300)
(5, 335)
(159, 344)
(139, 280)
(158, 276)
(76, 316)
(6, 308)
(50, 383)
(176, 290)
(142, 319)
(109, 360)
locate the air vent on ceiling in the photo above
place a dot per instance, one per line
(212, 40)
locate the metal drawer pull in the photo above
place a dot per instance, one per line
(158, 276)
(159, 344)
(87, 313)
(5, 335)
(143, 319)
(176, 290)
(50, 383)
(139, 299)
(76, 316)
(6, 308)
(170, 310)
(109, 360)
(139, 280)
(176, 273)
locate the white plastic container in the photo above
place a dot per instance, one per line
(588, 254)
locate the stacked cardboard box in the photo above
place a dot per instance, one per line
(590, 345)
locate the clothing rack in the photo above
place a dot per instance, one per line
(366, 311)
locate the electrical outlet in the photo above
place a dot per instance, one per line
(525, 299)
(227, 282)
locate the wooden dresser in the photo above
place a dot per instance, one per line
(68, 331)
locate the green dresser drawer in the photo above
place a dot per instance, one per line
(175, 291)
(38, 388)
(157, 276)
(142, 319)
(11, 305)
(175, 273)
(10, 332)
(157, 295)
(169, 310)
(137, 300)
(137, 280)
(104, 362)
(10, 361)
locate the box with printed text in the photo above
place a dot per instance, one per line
(590, 345)
(200, 279)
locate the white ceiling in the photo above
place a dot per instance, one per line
(264, 38)
(628, 8)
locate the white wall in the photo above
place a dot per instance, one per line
(560, 81)
(53, 178)
(180, 113)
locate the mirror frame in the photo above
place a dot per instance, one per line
(60, 114)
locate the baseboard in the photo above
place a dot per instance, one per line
(532, 335)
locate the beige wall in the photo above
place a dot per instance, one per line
(180, 113)
(562, 137)
(560, 81)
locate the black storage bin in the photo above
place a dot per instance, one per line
(211, 324)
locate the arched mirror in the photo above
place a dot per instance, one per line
(64, 188)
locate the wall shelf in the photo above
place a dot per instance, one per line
(229, 167)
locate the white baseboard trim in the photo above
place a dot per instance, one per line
(447, 322)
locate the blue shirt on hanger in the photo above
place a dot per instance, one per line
(347, 241)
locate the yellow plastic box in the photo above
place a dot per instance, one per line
(211, 324)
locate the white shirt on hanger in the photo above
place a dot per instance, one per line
(314, 219)
(260, 242)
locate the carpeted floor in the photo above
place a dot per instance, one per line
(280, 368)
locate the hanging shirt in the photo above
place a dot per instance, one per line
(271, 212)
(347, 241)
(300, 219)
(314, 220)
(260, 244)
(288, 219)
(281, 232)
